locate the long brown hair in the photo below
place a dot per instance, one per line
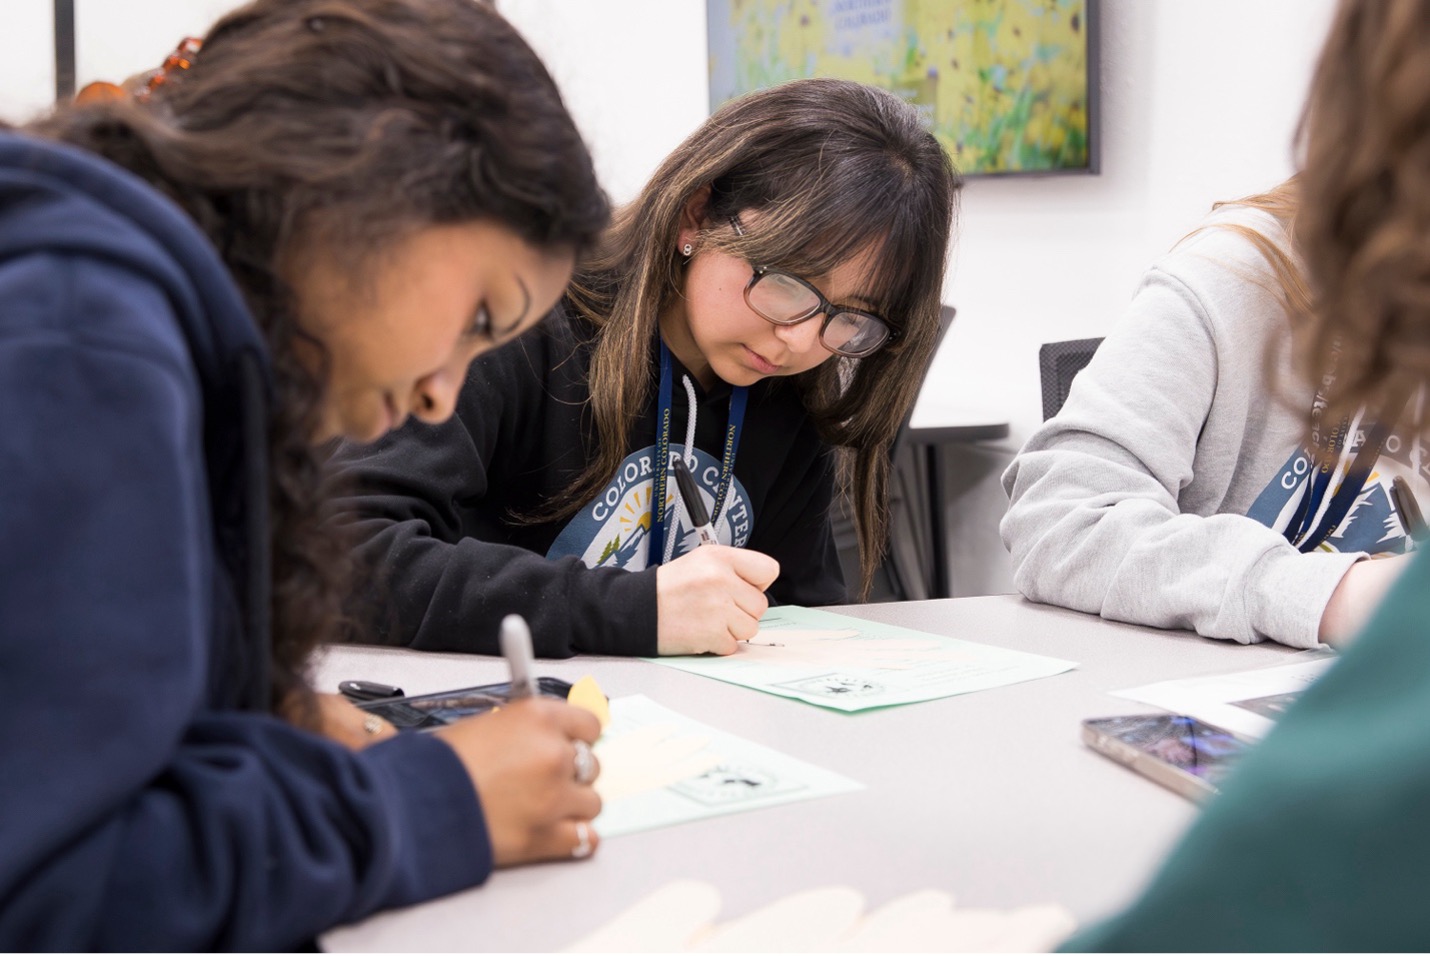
(833, 168)
(1281, 202)
(1365, 222)
(1287, 281)
(346, 124)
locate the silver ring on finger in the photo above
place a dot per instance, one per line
(583, 841)
(585, 763)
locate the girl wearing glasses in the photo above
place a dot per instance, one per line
(309, 231)
(763, 310)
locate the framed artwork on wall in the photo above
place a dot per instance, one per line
(1008, 86)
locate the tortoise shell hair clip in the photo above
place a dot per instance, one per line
(141, 85)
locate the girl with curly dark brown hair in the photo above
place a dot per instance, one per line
(308, 232)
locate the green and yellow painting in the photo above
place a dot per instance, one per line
(1003, 84)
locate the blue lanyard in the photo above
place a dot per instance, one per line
(739, 396)
(1298, 530)
(1351, 486)
(1316, 486)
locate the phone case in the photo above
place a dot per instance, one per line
(1173, 778)
(430, 711)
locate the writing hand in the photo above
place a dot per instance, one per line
(711, 598)
(522, 759)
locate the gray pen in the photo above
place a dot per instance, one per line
(694, 504)
(516, 648)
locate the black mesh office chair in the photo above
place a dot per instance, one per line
(1058, 365)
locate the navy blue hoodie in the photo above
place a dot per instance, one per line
(142, 804)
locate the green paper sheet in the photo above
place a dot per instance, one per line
(850, 664)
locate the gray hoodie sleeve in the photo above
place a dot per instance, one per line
(1131, 502)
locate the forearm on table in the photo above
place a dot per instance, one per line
(444, 596)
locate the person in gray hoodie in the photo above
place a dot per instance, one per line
(1178, 486)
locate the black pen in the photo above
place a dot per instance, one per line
(1406, 508)
(694, 504)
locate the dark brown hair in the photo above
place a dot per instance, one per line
(833, 168)
(344, 124)
(1364, 225)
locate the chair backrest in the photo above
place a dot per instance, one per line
(1058, 364)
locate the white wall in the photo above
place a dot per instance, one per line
(27, 60)
(114, 39)
(632, 72)
(1199, 100)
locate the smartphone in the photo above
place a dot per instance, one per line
(430, 711)
(1181, 753)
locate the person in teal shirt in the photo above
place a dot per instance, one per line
(1321, 841)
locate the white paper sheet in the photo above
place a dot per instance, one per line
(660, 768)
(1246, 703)
(680, 918)
(850, 664)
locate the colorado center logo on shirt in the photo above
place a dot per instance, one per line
(1371, 525)
(613, 531)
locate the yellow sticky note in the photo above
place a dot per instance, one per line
(586, 694)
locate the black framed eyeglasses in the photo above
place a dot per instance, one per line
(783, 299)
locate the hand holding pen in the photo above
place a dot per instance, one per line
(712, 597)
(516, 647)
(531, 765)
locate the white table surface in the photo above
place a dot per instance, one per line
(990, 796)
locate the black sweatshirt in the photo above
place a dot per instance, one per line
(434, 505)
